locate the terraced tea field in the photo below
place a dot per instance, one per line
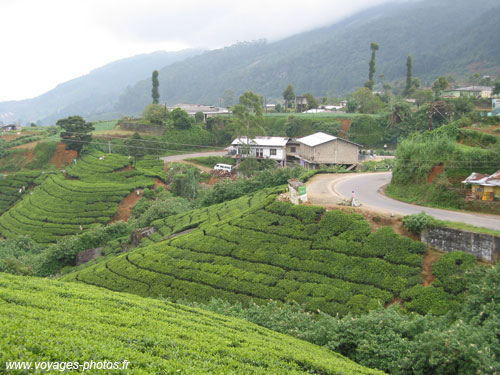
(11, 188)
(87, 195)
(46, 320)
(327, 261)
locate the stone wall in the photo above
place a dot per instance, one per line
(87, 255)
(484, 246)
(142, 128)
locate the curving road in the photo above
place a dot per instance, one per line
(329, 189)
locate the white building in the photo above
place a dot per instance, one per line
(273, 148)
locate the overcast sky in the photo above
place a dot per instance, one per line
(47, 42)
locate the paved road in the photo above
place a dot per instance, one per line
(169, 159)
(367, 189)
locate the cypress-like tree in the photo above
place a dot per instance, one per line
(374, 47)
(156, 84)
(409, 75)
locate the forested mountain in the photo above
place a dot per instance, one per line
(90, 95)
(443, 36)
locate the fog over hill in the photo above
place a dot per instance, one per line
(93, 95)
(445, 37)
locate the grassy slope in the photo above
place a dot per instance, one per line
(273, 250)
(47, 320)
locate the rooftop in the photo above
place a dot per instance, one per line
(316, 139)
(473, 88)
(193, 108)
(483, 179)
(262, 141)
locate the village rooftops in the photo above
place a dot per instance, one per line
(473, 88)
(320, 138)
(262, 141)
(206, 109)
(483, 179)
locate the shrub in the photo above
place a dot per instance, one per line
(416, 223)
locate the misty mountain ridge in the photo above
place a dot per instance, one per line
(92, 95)
(444, 37)
(333, 60)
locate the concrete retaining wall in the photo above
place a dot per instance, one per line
(484, 246)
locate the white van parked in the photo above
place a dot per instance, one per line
(223, 167)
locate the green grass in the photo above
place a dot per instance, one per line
(46, 320)
(104, 125)
(432, 196)
(467, 227)
(43, 153)
(211, 161)
(258, 249)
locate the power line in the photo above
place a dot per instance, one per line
(152, 141)
(124, 146)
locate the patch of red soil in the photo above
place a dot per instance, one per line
(159, 183)
(431, 257)
(125, 206)
(63, 157)
(346, 124)
(29, 156)
(9, 137)
(438, 169)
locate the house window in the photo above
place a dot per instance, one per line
(272, 152)
(259, 152)
(293, 149)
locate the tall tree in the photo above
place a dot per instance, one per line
(371, 72)
(156, 84)
(289, 96)
(409, 75)
(181, 119)
(496, 89)
(76, 132)
(248, 115)
(439, 85)
(312, 103)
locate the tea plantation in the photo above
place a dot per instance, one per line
(11, 188)
(203, 217)
(46, 320)
(325, 261)
(89, 194)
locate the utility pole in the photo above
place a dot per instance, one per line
(109, 147)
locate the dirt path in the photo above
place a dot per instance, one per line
(126, 206)
(431, 257)
(200, 167)
(27, 146)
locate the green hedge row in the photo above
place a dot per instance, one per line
(266, 252)
(10, 186)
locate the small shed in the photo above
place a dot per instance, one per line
(484, 187)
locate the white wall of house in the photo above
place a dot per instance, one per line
(265, 152)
